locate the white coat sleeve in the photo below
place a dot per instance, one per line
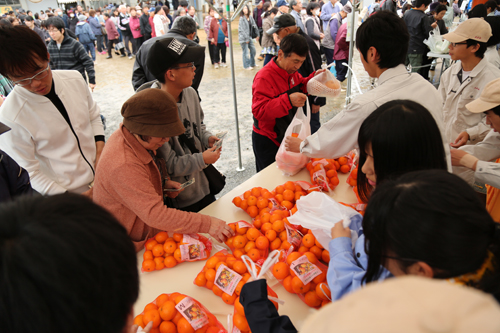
(94, 114)
(478, 132)
(339, 135)
(488, 173)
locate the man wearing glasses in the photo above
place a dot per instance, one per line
(463, 82)
(172, 64)
(56, 131)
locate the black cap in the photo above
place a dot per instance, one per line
(4, 128)
(167, 52)
(282, 21)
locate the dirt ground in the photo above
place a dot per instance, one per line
(114, 87)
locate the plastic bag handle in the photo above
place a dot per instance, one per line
(321, 288)
(230, 323)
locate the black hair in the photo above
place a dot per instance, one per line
(28, 18)
(106, 14)
(273, 10)
(266, 7)
(310, 7)
(67, 264)
(17, 59)
(374, 32)
(419, 3)
(440, 8)
(482, 47)
(398, 143)
(166, 9)
(185, 24)
(294, 43)
(183, 3)
(491, 4)
(5, 22)
(478, 11)
(56, 22)
(248, 9)
(444, 1)
(496, 110)
(157, 9)
(36, 16)
(434, 217)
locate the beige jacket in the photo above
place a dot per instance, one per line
(456, 95)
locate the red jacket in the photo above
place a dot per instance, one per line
(271, 106)
(214, 30)
(111, 30)
(153, 32)
(135, 26)
(341, 51)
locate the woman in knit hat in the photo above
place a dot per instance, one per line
(131, 180)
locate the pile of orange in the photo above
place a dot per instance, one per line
(239, 319)
(254, 201)
(166, 318)
(315, 293)
(206, 278)
(163, 251)
(353, 177)
(323, 172)
(250, 241)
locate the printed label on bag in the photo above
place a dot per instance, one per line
(193, 249)
(305, 271)
(236, 330)
(227, 279)
(244, 224)
(193, 313)
(293, 236)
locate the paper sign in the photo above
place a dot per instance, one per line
(227, 279)
(305, 271)
(193, 249)
(193, 313)
(293, 236)
(244, 224)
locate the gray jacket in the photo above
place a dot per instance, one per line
(298, 20)
(244, 29)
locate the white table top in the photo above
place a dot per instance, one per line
(180, 278)
(439, 55)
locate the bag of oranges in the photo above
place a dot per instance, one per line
(163, 251)
(249, 241)
(254, 201)
(323, 173)
(178, 313)
(324, 85)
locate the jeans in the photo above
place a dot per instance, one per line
(328, 55)
(126, 40)
(220, 48)
(248, 54)
(111, 42)
(90, 47)
(268, 58)
(341, 69)
(99, 43)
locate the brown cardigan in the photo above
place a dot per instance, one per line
(128, 184)
(214, 30)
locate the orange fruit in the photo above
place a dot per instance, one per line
(170, 262)
(266, 226)
(287, 204)
(230, 261)
(168, 327)
(212, 262)
(252, 234)
(247, 194)
(217, 291)
(168, 310)
(262, 242)
(271, 235)
(237, 201)
(289, 195)
(238, 307)
(312, 299)
(316, 251)
(253, 211)
(292, 257)
(158, 250)
(335, 181)
(177, 317)
(218, 265)
(228, 299)
(343, 160)
(179, 298)
(289, 185)
(170, 246)
(229, 242)
(244, 205)
(279, 197)
(280, 270)
(212, 329)
(323, 291)
(239, 241)
(344, 168)
(325, 256)
(159, 262)
(318, 244)
(283, 236)
(247, 276)
(139, 322)
(280, 189)
(183, 326)
(200, 280)
(178, 237)
(152, 315)
(239, 267)
(240, 322)
(240, 285)
(254, 254)
(286, 245)
(257, 223)
(210, 274)
(252, 201)
(173, 296)
(249, 246)
(148, 255)
(148, 265)
(275, 244)
(150, 243)
(302, 249)
(209, 285)
(262, 203)
(256, 191)
(287, 283)
(150, 306)
(311, 257)
(160, 300)
(238, 253)
(298, 287)
(265, 217)
(177, 255)
(240, 230)
(308, 240)
(320, 278)
(161, 237)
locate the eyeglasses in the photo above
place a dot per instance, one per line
(53, 30)
(38, 76)
(455, 44)
(180, 67)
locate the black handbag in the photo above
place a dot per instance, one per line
(254, 33)
(216, 180)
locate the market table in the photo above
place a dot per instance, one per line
(442, 56)
(180, 278)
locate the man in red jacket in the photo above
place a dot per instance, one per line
(278, 90)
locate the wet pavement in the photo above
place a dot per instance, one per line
(114, 87)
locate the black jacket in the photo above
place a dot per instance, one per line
(311, 64)
(390, 6)
(141, 75)
(419, 26)
(145, 26)
(72, 22)
(14, 180)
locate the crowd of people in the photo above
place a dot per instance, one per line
(77, 207)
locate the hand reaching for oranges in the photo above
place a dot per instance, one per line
(137, 329)
(220, 230)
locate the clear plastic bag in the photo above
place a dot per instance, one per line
(436, 43)
(324, 85)
(288, 162)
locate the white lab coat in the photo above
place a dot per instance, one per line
(41, 140)
(487, 171)
(492, 56)
(456, 95)
(338, 136)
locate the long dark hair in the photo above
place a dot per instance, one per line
(404, 137)
(434, 217)
(248, 9)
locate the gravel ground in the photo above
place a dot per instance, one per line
(114, 88)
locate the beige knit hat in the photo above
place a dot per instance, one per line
(409, 304)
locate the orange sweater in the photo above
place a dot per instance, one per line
(128, 184)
